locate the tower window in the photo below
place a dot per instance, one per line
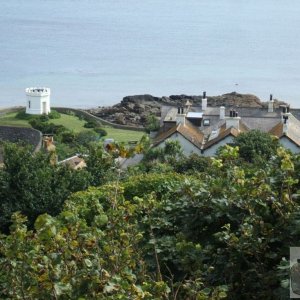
(29, 104)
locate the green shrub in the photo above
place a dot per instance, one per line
(90, 124)
(54, 114)
(100, 131)
(68, 137)
(46, 127)
(84, 138)
(44, 118)
(22, 115)
(152, 123)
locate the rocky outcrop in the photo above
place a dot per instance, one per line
(133, 110)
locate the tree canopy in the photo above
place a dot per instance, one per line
(256, 146)
(218, 230)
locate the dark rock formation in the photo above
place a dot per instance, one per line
(133, 110)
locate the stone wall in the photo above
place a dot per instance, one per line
(91, 117)
(20, 134)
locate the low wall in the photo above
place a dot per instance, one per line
(21, 134)
(88, 116)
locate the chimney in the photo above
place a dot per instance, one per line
(285, 118)
(204, 101)
(233, 120)
(222, 112)
(180, 118)
(271, 104)
(285, 121)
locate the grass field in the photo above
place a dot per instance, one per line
(10, 119)
(74, 123)
(122, 135)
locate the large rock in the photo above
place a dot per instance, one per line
(133, 110)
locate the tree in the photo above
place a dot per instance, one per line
(152, 123)
(32, 184)
(84, 138)
(100, 165)
(87, 252)
(256, 145)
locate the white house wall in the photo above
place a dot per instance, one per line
(187, 147)
(285, 142)
(211, 151)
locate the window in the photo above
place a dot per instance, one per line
(29, 104)
(206, 122)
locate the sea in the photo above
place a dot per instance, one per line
(94, 52)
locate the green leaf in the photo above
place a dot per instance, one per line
(88, 263)
(62, 288)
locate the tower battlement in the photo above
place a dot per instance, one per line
(37, 91)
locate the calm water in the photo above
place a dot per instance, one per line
(94, 52)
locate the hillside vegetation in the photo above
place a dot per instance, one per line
(172, 227)
(66, 127)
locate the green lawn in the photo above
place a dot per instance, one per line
(74, 123)
(122, 135)
(70, 122)
(10, 119)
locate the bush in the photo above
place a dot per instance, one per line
(193, 163)
(68, 137)
(44, 118)
(100, 131)
(256, 146)
(152, 123)
(21, 115)
(46, 127)
(90, 124)
(84, 138)
(54, 114)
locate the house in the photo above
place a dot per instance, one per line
(75, 162)
(183, 131)
(202, 130)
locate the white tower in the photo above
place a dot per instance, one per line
(38, 100)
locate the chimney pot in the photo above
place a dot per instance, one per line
(222, 112)
(204, 103)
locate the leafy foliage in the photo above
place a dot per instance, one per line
(54, 114)
(256, 146)
(91, 124)
(31, 184)
(101, 131)
(152, 123)
(199, 228)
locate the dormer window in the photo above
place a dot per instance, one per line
(206, 122)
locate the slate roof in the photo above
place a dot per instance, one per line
(223, 133)
(251, 118)
(188, 131)
(293, 130)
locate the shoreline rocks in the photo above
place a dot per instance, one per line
(133, 110)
